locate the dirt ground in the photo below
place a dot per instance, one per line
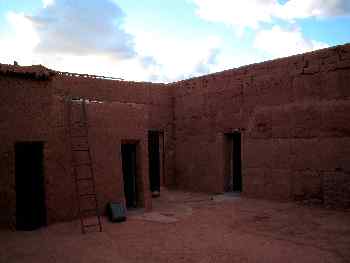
(188, 227)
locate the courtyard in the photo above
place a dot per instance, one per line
(194, 227)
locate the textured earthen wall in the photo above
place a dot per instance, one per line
(155, 98)
(294, 115)
(34, 110)
(24, 116)
(121, 111)
(109, 123)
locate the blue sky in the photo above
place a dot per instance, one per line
(163, 41)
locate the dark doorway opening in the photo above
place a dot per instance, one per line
(233, 178)
(30, 192)
(129, 166)
(154, 162)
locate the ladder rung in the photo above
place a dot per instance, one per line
(78, 122)
(80, 140)
(89, 211)
(87, 195)
(78, 127)
(78, 130)
(91, 225)
(85, 179)
(82, 145)
(81, 164)
(80, 136)
(80, 149)
(75, 99)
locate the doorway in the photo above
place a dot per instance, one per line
(30, 192)
(233, 174)
(154, 162)
(129, 167)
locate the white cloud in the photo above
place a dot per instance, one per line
(278, 42)
(238, 13)
(83, 27)
(236, 59)
(296, 9)
(47, 3)
(177, 58)
(88, 43)
(242, 14)
(102, 65)
(157, 57)
(20, 42)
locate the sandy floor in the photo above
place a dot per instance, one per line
(185, 227)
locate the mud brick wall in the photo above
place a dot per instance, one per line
(24, 116)
(109, 123)
(156, 98)
(35, 110)
(120, 111)
(294, 115)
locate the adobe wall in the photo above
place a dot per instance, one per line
(294, 115)
(109, 124)
(155, 98)
(35, 110)
(27, 121)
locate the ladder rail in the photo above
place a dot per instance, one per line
(69, 131)
(85, 120)
(75, 164)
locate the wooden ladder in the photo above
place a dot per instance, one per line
(81, 164)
